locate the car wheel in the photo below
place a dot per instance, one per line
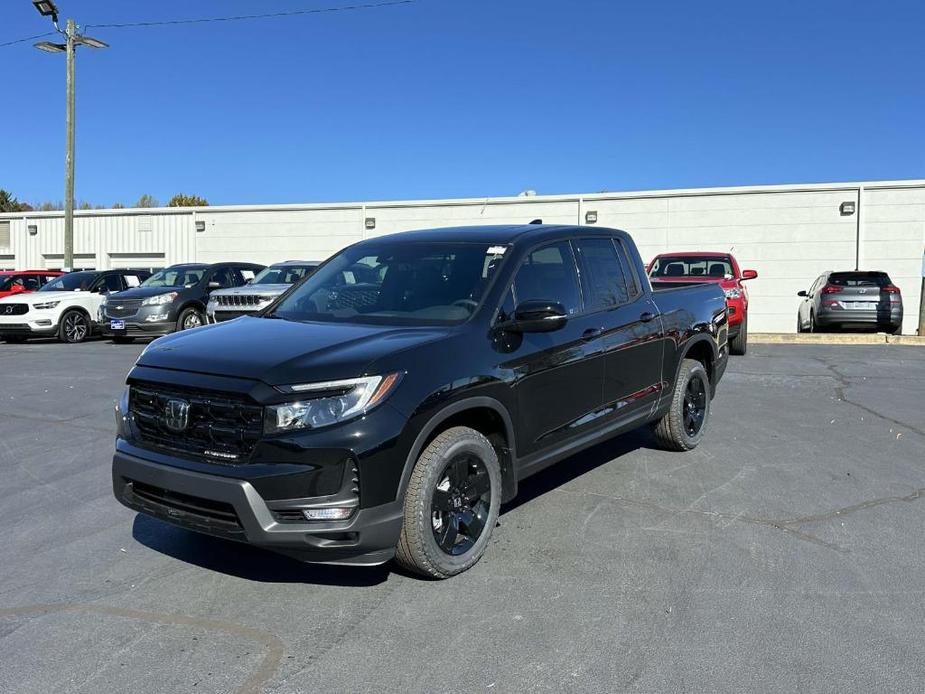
(800, 328)
(122, 340)
(683, 426)
(75, 327)
(451, 505)
(813, 328)
(739, 344)
(190, 318)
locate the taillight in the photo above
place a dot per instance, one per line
(831, 289)
(891, 289)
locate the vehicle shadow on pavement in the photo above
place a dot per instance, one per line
(577, 465)
(245, 561)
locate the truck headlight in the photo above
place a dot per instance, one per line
(733, 293)
(328, 403)
(159, 299)
(46, 304)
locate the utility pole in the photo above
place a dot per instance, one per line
(47, 8)
(70, 32)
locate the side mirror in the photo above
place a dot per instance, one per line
(802, 293)
(749, 274)
(215, 285)
(538, 316)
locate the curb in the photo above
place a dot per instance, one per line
(835, 339)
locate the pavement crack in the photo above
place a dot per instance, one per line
(841, 512)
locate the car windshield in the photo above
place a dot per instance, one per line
(71, 282)
(402, 283)
(283, 274)
(859, 279)
(691, 266)
(175, 277)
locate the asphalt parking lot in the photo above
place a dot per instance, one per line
(785, 554)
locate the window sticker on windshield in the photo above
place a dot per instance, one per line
(131, 280)
(496, 250)
(248, 274)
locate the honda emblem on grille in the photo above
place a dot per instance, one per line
(176, 415)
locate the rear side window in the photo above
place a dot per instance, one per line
(859, 279)
(548, 274)
(602, 276)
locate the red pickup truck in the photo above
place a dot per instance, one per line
(717, 268)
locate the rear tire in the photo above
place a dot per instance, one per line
(451, 505)
(75, 327)
(739, 344)
(683, 426)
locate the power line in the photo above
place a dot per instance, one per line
(268, 15)
(28, 38)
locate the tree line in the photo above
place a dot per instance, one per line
(9, 203)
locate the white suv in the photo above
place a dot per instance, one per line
(66, 308)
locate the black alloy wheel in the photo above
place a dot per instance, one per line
(75, 327)
(695, 405)
(460, 504)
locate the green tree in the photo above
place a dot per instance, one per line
(181, 200)
(147, 201)
(118, 206)
(8, 203)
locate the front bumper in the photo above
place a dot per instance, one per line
(234, 509)
(137, 325)
(31, 324)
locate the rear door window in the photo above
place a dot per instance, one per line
(548, 274)
(603, 280)
(859, 279)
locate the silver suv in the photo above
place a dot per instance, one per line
(852, 299)
(259, 293)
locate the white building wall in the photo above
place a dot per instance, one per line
(789, 234)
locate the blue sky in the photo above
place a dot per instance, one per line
(444, 98)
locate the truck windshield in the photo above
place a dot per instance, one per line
(71, 282)
(691, 266)
(175, 277)
(283, 274)
(410, 283)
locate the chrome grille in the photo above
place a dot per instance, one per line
(235, 300)
(14, 309)
(122, 309)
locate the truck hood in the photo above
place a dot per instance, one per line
(280, 352)
(142, 292)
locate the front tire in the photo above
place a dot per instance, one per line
(75, 327)
(739, 344)
(683, 426)
(190, 318)
(451, 505)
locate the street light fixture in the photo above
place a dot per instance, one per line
(47, 8)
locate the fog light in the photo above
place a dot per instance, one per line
(314, 514)
(43, 321)
(154, 317)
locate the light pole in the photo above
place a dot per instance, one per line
(47, 8)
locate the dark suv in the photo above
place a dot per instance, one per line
(390, 410)
(173, 299)
(851, 299)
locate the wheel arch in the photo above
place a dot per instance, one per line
(703, 349)
(484, 414)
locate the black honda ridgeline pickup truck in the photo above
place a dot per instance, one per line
(390, 413)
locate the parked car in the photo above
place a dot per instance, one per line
(351, 424)
(66, 307)
(24, 281)
(851, 299)
(173, 299)
(256, 295)
(719, 268)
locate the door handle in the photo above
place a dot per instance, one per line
(647, 316)
(592, 333)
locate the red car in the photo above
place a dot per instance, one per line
(23, 281)
(721, 268)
